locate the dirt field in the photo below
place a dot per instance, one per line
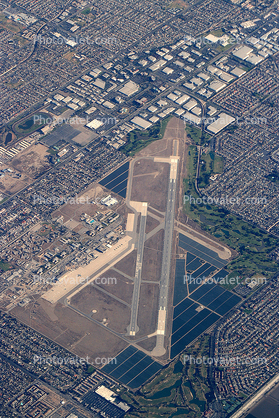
(52, 398)
(9, 184)
(148, 344)
(128, 264)
(70, 407)
(102, 308)
(178, 4)
(85, 136)
(69, 329)
(156, 213)
(145, 166)
(32, 161)
(152, 257)
(151, 223)
(152, 188)
(138, 223)
(117, 285)
(163, 147)
(94, 193)
(148, 309)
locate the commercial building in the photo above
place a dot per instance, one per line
(94, 124)
(129, 88)
(220, 123)
(142, 123)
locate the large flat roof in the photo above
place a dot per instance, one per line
(157, 65)
(191, 118)
(220, 123)
(94, 124)
(216, 85)
(243, 52)
(142, 123)
(129, 88)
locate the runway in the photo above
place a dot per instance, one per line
(133, 327)
(159, 350)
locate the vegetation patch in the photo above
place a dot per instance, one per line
(196, 135)
(86, 11)
(253, 244)
(27, 125)
(181, 389)
(137, 139)
(4, 266)
(273, 176)
(210, 164)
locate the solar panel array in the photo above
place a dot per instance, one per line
(132, 367)
(197, 305)
(117, 181)
(201, 251)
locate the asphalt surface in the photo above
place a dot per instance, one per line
(169, 226)
(166, 263)
(133, 327)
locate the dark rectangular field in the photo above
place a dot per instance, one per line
(188, 323)
(190, 257)
(194, 264)
(180, 287)
(121, 188)
(98, 402)
(66, 132)
(195, 278)
(132, 367)
(201, 251)
(193, 333)
(207, 292)
(220, 275)
(117, 180)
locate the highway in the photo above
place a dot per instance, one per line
(256, 398)
(133, 327)
(166, 258)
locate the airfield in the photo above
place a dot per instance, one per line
(149, 313)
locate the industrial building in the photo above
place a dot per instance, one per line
(220, 123)
(129, 88)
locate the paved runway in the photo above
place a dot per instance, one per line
(133, 327)
(166, 259)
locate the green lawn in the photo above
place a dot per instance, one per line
(195, 134)
(4, 266)
(27, 126)
(273, 176)
(179, 390)
(210, 163)
(86, 11)
(137, 139)
(219, 33)
(253, 244)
